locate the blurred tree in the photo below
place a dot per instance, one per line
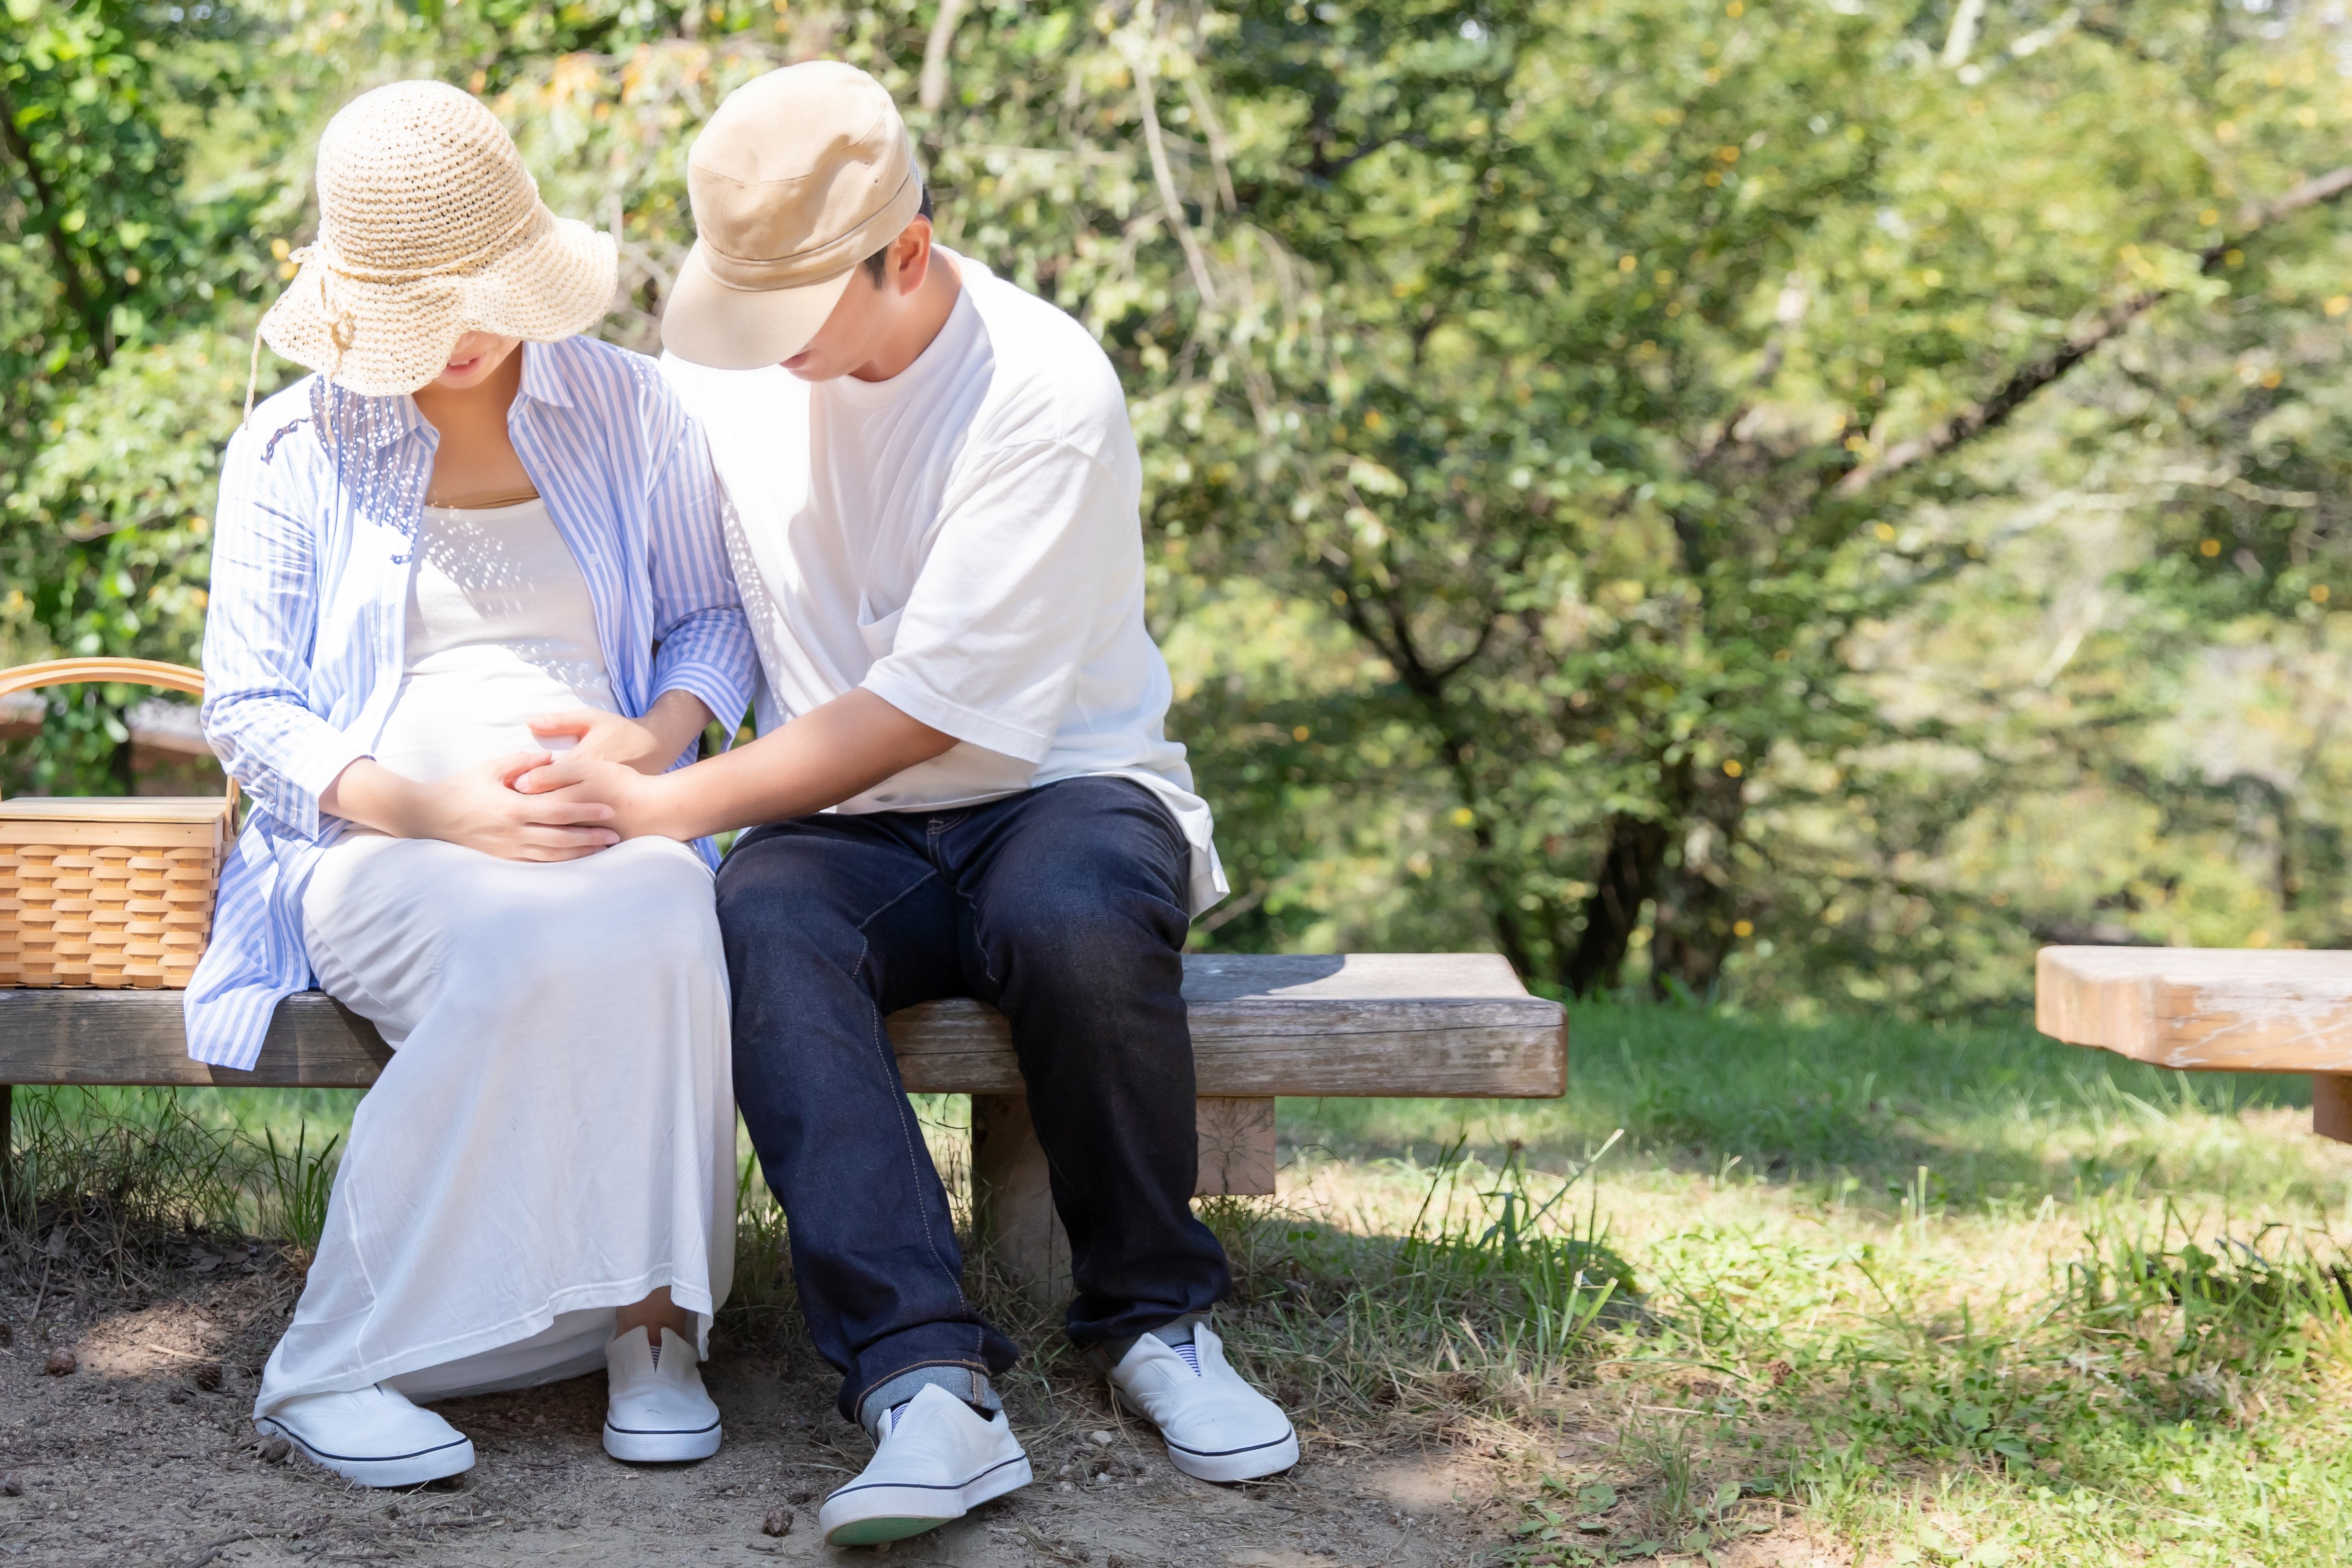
(1670, 490)
(103, 260)
(1636, 332)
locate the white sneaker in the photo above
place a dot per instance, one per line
(372, 1435)
(657, 1411)
(938, 1459)
(1217, 1427)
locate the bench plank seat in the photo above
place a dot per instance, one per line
(1430, 1024)
(1439, 1024)
(2210, 1009)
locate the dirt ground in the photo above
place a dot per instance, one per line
(144, 1454)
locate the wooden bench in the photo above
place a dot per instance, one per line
(1436, 1025)
(2210, 1009)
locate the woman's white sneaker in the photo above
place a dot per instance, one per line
(372, 1435)
(937, 1461)
(655, 1409)
(1217, 1427)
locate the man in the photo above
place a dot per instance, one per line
(966, 788)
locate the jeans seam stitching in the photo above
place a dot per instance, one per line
(873, 1009)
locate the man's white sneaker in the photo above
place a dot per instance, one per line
(655, 1409)
(938, 1459)
(372, 1435)
(1217, 1427)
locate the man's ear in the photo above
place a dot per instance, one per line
(914, 254)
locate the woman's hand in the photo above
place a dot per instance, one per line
(479, 807)
(649, 744)
(604, 737)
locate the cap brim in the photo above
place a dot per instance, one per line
(709, 323)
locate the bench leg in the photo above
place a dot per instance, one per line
(1013, 1197)
(8, 1131)
(1236, 1147)
(2331, 1106)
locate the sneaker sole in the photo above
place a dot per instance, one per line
(1252, 1463)
(880, 1513)
(1241, 1465)
(394, 1471)
(661, 1447)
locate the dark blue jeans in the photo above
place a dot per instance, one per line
(1065, 907)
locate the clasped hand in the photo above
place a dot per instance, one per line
(526, 805)
(578, 781)
(606, 777)
(555, 805)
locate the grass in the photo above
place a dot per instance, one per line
(1914, 1294)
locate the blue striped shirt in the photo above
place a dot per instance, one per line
(321, 495)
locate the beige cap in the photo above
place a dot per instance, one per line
(801, 174)
(430, 227)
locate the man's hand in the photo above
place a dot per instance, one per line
(649, 744)
(479, 807)
(634, 801)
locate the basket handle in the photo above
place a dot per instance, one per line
(128, 672)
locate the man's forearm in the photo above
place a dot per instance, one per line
(819, 760)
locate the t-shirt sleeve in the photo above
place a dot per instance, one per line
(1026, 563)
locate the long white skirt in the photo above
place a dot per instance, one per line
(555, 1137)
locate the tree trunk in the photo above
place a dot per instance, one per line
(1697, 900)
(1628, 877)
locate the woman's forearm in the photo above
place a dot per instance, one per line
(677, 717)
(373, 796)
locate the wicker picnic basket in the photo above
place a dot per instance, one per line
(112, 892)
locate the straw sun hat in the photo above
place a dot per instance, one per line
(429, 228)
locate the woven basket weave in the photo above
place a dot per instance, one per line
(105, 891)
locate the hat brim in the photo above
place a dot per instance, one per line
(711, 323)
(387, 340)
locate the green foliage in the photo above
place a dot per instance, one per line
(1792, 502)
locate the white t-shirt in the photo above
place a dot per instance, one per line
(962, 540)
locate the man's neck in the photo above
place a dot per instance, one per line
(926, 317)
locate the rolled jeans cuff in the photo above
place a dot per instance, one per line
(973, 1387)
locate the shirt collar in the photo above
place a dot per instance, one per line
(541, 380)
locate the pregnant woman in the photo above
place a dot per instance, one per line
(469, 518)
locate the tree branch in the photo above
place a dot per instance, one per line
(931, 89)
(2031, 377)
(69, 265)
(1165, 179)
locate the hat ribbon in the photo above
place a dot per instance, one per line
(332, 264)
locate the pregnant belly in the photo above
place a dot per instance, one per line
(445, 721)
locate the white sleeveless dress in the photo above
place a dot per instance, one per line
(555, 1137)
